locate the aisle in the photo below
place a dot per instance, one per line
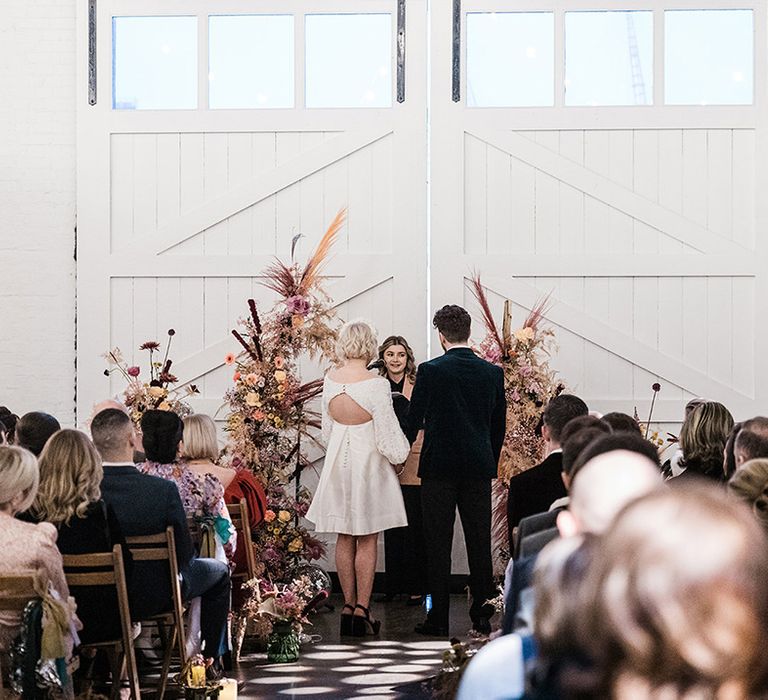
(350, 668)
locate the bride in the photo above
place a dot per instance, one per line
(358, 495)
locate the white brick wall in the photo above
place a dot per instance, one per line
(37, 206)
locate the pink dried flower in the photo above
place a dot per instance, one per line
(133, 371)
(297, 305)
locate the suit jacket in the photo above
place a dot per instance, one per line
(534, 490)
(459, 401)
(145, 505)
(532, 524)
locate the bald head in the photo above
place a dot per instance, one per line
(606, 484)
(108, 403)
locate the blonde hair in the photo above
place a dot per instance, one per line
(19, 474)
(357, 341)
(200, 440)
(704, 434)
(70, 477)
(750, 484)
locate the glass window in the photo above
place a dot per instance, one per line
(608, 58)
(250, 61)
(510, 59)
(348, 60)
(154, 62)
(708, 57)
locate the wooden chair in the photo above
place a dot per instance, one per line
(162, 547)
(16, 590)
(238, 512)
(107, 569)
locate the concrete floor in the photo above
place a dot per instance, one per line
(370, 668)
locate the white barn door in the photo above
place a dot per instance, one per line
(641, 217)
(215, 132)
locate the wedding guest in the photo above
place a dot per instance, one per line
(459, 402)
(201, 493)
(672, 466)
(622, 423)
(9, 420)
(69, 498)
(404, 554)
(534, 490)
(729, 452)
(138, 455)
(34, 429)
(28, 547)
(3, 431)
(750, 485)
(680, 609)
(146, 505)
(358, 495)
(752, 440)
(702, 441)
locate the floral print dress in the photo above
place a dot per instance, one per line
(202, 496)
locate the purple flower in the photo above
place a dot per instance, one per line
(297, 305)
(133, 371)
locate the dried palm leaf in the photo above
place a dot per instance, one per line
(539, 310)
(281, 279)
(319, 257)
(478, 291)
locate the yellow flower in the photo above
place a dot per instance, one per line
(157, 391)
(295, 545)
(252, 399)
(164, 406)
(297, 321)
(524, 334)
(280, 375)
(284, 515)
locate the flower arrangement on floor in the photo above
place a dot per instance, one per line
(529, 384)
(157, 391)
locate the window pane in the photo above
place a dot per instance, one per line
(510, 59)
(349, 60)
(154, 62)
(250, 61)
(608, 58)
(708, 57)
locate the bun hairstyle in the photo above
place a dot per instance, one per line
(162, 432)
(750, 484)
(357, 341)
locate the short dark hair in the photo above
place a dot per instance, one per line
(9, 419)
(560, 410)
(108, 429)
(729, 455)
(34, 429)
(580, 423)
(622, 423)
(162, 432)
(613, 442)
(454, 322)
(577, 442)
(752, 440)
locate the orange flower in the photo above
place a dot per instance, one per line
(230, 359)
(297, 321)
(236, 377)
(269, 516)
(252, 378)
(279, 362)
(258, 415)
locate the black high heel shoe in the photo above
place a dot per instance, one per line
(345, 627)
(360, 623)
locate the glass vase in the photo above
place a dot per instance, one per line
(283, 643)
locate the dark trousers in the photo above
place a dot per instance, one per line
(404, 559)
(439, 499)
(208, 579)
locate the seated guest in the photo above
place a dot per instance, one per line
(9, 420)
(534, 490)
(146, 505)
(33, 431)
(201, 493)
(30, 548)
(729, 452)
(622, 423)
(677, 609)
(752, 441)
(750, 485)
(69, 498)
(702, 441)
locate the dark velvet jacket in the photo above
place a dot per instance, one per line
(459, 401)
(533, 491)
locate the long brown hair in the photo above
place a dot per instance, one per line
(410, 362)
(70, 477)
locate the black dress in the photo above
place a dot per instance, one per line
(97, 608)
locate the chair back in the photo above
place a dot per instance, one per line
(16, 590)
(107, 569)
(240, 516)
(162, 547)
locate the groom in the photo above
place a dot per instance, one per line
(459, 401)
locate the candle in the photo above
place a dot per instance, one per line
(228, 689)
(197, 676)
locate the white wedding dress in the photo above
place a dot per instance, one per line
(359, 493)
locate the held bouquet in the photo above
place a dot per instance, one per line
(157, 392)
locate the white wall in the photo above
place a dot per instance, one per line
(37, 206)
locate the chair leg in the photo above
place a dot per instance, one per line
(115, 667)
(129, 662)
(170, 642)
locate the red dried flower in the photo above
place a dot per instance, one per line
(150, 345)
(168, 378)
(133, 371)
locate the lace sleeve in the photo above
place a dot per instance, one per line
(390, 439)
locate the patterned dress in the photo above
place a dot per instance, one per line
(202, 496)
